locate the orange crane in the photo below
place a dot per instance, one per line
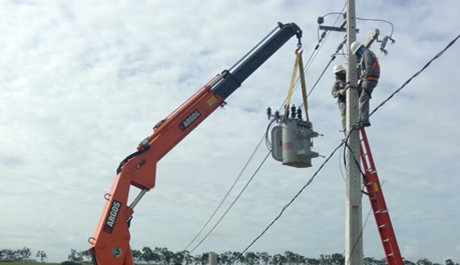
(110, 243)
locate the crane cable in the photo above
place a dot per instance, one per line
(342, 143)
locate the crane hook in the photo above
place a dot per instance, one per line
(299, 48)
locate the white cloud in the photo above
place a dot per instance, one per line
(81, 83)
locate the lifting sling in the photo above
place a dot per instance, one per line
(298, 64)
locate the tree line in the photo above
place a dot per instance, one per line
(20, 255)
(163, 256)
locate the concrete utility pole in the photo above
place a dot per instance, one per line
(353, 211)
(212, 258)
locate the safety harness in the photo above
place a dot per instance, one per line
(374, 65)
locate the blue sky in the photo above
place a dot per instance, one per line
(81, 83)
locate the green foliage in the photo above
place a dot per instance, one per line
(9, 255)
(163, 256)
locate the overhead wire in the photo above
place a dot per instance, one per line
(367, 19)
(267, 142)
(342, 143)
(325, 68)
(377, 108)
(368, 214)
(415, 75)
(330, 156)
(379, 20)
(310, 60)
(359, 236)
(341, 46)
(340, 165)
(233, 203)
(318, 48)
(383, 103)
(292, 200)
(226, 195)
(328, 33)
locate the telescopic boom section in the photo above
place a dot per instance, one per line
(110, 243)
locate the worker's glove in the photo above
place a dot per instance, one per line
(360, 81)
(342, 92)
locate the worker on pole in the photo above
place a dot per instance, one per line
(339, 92)
(368, 79)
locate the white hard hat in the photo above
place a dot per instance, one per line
(339, 68)
(355, 47)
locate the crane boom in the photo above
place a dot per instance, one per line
(110, 243)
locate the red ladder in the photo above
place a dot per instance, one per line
(379, 207)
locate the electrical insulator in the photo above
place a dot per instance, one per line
(320, 20)
(299, 113)
(340, 46)
(269, 112)
(293, 111)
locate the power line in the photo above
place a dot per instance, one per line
(415, 75)
(250, 158)
(344, 142)
(360, 235)
(233, 203)
(379, 20)
(308, 183)
(384, 102)
(327, 66)
(328, 33)
(318, 48)
(368, 214)
(226, 195)
(292, 200)
(307, 66)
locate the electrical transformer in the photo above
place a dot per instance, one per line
(291, 142)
